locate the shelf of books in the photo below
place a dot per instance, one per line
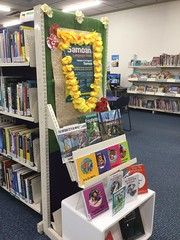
(35, 207)
(14, 115)
(21, 182)
(19, 133)
(156, 90)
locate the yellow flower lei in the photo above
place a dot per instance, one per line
(66, 39)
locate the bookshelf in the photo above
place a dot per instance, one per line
(26, 69)
(35, 207)
(155, 88)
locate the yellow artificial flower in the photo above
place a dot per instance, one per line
(68, 68)
(98, 75)
(72, 82)
(93, 94)
(97, 56)
(97, 63)
(67, 60)
(77, 95)
(92, 100)
(98, 69)
(75, 88)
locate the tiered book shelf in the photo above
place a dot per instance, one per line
(154, 82)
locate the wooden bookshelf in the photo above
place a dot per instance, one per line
(34, 168)
(35, 207)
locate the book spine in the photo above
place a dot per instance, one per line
(9, 93)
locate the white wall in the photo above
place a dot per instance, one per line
(146, 31)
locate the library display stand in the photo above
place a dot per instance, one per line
(61, 197)
(155, 88)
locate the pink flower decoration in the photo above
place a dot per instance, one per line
(52, 41)
(53, 29)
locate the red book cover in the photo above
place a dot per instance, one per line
(114, 155)
(143, 188)
(109, 236)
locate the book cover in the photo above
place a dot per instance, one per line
(92, 124)
(114, 183)
(103, 162)
(86, 167)
(140, 169)
(131, 184)
(95, 200)
(124, 152)
(110, 124)
(72, 138)
(118, 200)
(132, 226)
(114, 155)
(109, 236)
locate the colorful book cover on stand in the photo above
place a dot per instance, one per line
(86, 167)
(95, 200)
(118, 200)
(114, 183)
(124, 152)
(131, 184)
(92, 124)
(114, 155)
(140, 169)
(109, 236)
(103, 162)
(72, 138)
(110, 124)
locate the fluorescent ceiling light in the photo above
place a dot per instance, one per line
(4, 8)
(81, 5)
(12, 23)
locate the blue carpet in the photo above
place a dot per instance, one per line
(155, 141)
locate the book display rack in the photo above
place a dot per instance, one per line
(155, 84)
(66, 165)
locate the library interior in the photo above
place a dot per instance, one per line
(89, 119)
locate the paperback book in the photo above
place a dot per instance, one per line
(131, 184)
(114, 183)
(118, 200)
(110, 124)
(93, 132)
(132, 226)
(72, 138)
(109, 236)
(103, 161)
(86, 167)
(124, 152)
(140, 169)
(95, 200)
(114, 155)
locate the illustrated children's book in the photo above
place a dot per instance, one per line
(132, 226)
(118, 200)
(114, 183)
(110, 124)
(114, 155)
(131, 184)
(103, 161)
(72, 138)
(109, 236)
(92, 124)
(124, 152)
(86, 167)
(139, 168)
(95, 200)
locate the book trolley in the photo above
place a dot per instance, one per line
(51, 117)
